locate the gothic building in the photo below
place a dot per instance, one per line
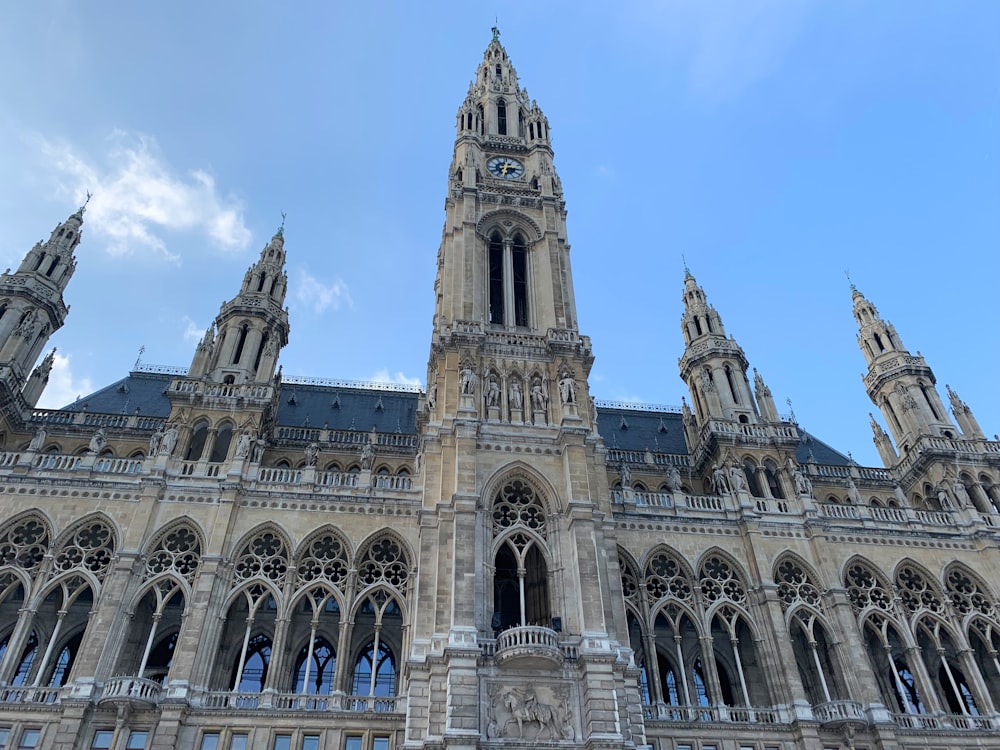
(219, 558)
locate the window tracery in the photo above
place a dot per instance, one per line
(384, 561)
(325, 559)
(665, 576)
(794, 586)
(178, 551)
(916, 592)
(90, 547)
(866, 589)
(516, 504)
(264, 556)
(720, 581)
(24, 544)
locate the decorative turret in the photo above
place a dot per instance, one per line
(765, 401)
(882, 442)
(899, 383)
(243, 343)
(713, 366)
(963, 415)
(31, 302)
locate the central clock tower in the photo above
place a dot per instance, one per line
(520, 601)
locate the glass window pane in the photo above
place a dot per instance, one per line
(210, 741)
(239, 742)
(380, 743)
(4, 736)
(283, 742)
(29, 739)
(137, 741)
(310, 742)
(102, 739)
(353, 742)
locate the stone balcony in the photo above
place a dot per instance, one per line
(836, 714)
(529, 646)
(134, 691)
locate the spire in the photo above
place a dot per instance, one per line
(38, 379)
(765, 401)
(964, 416)
(882, 443)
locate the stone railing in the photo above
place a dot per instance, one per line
(132, 689)
(738, 714)
(229, 700)
(946, 722)
(528, 643)
(840, 712)
(278, 475)
(56, 462)
(44, 695)
(107, 465)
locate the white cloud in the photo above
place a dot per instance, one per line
(314, 293)
(63, 388)
(136, 194)
(382, 376)
(192, 331)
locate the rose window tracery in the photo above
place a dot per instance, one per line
(865, 589)
(324, 560)
(516, 504)
(916, 592)
(91, 548)
(630, 580)
(967, 597)
(720, 581)
(384, 562)
(263, 556)
(665, 577)
(795, 586)
(24, 545)
(179, 551)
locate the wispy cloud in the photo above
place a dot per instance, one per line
(137, 195)
(319, 296)
(63, 387)
(382, 376)
(192, 331)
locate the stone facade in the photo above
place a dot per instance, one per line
(219, 557)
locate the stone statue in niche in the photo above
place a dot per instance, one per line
(493, 392)
(154, 441)
(719, 480)
(169, 441)
(432, 396)
(243, 445)
(367, 456)
(625, 474)
(38, 439)
(312, 453)
(737, 479)
(674, 479)
(961, 493)
(852, 492)
(539, 401)
(525, 708)
(567, 389)
(98, 441)
(515, 395)
(468, 381)
(803, 486)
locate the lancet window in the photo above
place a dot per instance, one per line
(507, 280)
(520, 579)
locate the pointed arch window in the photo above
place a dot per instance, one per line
(220, 448)
(197, 446)
(240, 343)
(501, 112)
(519, 258)
(496, 288)
(314, 671)
(508, 273)
(375, 671)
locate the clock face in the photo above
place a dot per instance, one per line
(505, 167)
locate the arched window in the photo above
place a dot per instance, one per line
(220, 448)
(750, 472)
(260, 350)
(496, 289)
(64, 662)
(773, 484)
(519, 256)
(501, 113)
(375, 671)
(240, 343)
(197, 445)
(732, 385)
(253, 674)
(26, 661)
(520, 582)
(314, 672)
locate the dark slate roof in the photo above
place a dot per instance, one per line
(140, 390)
(640, 429)
(340, 408)
(347, 406)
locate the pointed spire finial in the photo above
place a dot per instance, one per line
(687, 271)
(281, 229)
(81, 209)
(848, 275)
(138, 359)
(496, 29)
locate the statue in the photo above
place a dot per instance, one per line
(900, 497)
(961, 493)
(367, 456)
(674, 479)
(243, 445)
(154, 441)
(432, 396)
(312, 454)
(852, 492)
(718, 481)
(169, 441)
(38, 439)
(942, 496)
(98, 441)
(625, 472)
(515, 395)
(539, 401)
(26, 328)
(524, 707)
(567, 389)
(468, 381)
(493, 393)
(737, 479)
(803, 486)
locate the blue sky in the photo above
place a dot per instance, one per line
(773, 144)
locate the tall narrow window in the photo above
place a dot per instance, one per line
(260, 350)
(496, 279)
(52, 268)
(240, 342)
(198, 437)
(520, 261)
(732, 385)
(260, 283)
(220, 449)
(501, 117)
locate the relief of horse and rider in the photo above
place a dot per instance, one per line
(521, 714)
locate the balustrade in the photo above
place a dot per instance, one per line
(133, 689)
